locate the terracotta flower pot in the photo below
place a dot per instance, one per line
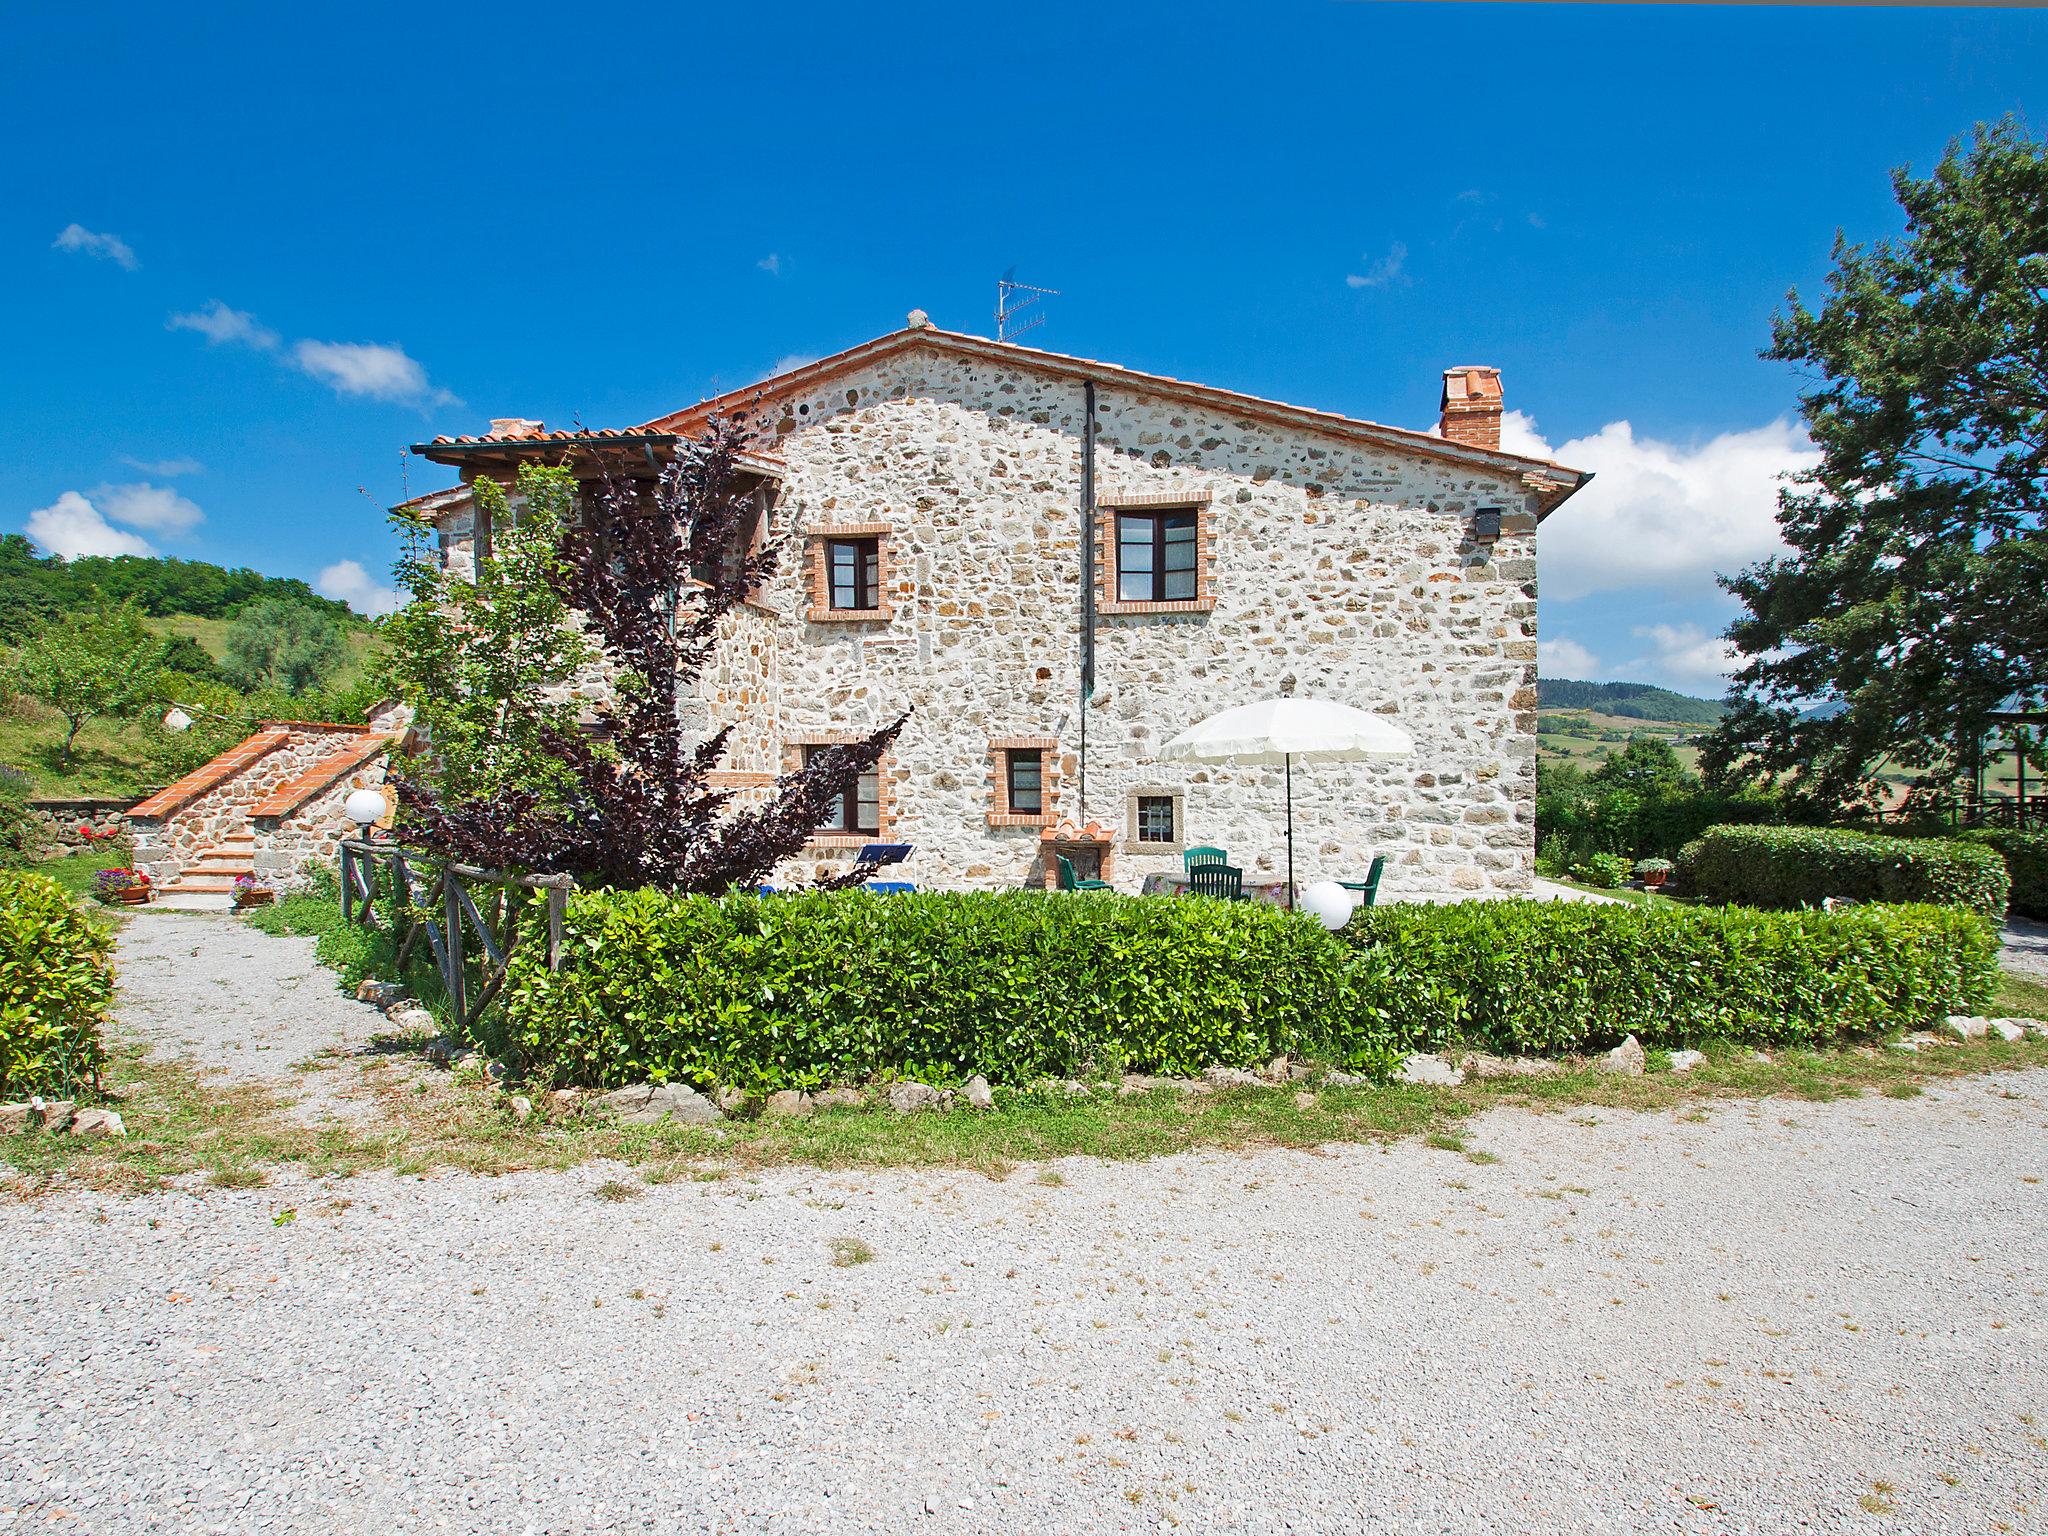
(133, 896)
(256, 898)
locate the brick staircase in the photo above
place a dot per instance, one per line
(270, 806)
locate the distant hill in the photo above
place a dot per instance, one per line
(1629, 701)
(35, 588)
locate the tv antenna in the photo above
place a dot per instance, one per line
(1012, 299)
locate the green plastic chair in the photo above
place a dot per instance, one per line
(1196, 856)
(1223, 881)
(1069, 881)
(1369, 888)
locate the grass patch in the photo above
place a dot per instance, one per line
(183, 1124)
(849, 1251)
(2020, 997)
(1627, 893)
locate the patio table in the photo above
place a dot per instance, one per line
(1175, 883)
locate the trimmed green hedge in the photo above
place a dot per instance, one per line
(1552, 977)
(2026, 861)
(798, 991)
(1803, 866)
(56, 986)
(805, 989)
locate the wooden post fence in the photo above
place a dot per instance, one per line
(437, 901)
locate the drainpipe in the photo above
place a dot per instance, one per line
(1087, 584)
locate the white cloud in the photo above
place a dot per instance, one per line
(1686, 654)
(71, 526)
(155, 507)
(164, 469)
(1660, 516)
(1381, 272)
(85, 242)
(348, 581)
(369, 369)
(771, 264)
(223, 326)
(1565, 658)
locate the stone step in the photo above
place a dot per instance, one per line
(238, 837)
(225, 860)
(172, 899)
(189, 884)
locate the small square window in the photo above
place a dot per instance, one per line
(1155, 556)
(859, 809)
(852, 573)
(1024, 782)
(1155, 819)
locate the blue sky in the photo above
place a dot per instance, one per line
(306, 237)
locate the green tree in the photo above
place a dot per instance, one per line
(1915, 595)
(278, 644)
(487, 662)
(90, 665)
(1647, 765)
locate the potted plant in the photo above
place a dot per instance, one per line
(121, 887)
(1653, 872)
(251, 892)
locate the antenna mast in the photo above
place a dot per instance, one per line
(1012, 299)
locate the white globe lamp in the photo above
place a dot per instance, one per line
(177, 720)
(364, 807)
(1329, 903)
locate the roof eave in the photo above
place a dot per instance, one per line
(1566, 481)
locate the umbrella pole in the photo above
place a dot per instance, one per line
(1290, 831)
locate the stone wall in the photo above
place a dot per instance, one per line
(1337, 569)
(56, 825)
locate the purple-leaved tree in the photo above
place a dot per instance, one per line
(625, 799)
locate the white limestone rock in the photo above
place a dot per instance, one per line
(1627, 1059)
(1428, 1070)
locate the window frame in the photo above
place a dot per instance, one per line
(865, 578)
(847, 807)
(1112, 508)
(1160, 573)
(1134, 828)
(823, 540)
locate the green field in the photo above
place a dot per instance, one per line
(113, 758)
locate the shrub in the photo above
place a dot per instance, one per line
(1605, 870)
(1560, 976)
(56, 985)
(795, 991)
(1803, 866)
(2026, 862)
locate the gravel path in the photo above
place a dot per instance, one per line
(1755, 1319)
(2026, 947)
(254, 1006)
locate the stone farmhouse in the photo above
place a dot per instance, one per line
(963, 522)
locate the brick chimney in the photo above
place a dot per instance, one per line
(1472, 406)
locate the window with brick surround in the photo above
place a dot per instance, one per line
(849, 573)
(1022, 780)
(859, 810)
(1154, 553)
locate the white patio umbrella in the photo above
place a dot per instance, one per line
(1281, 730)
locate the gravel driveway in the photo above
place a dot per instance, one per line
(252, 1005)
(2026, 947)
(1769, 1317)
